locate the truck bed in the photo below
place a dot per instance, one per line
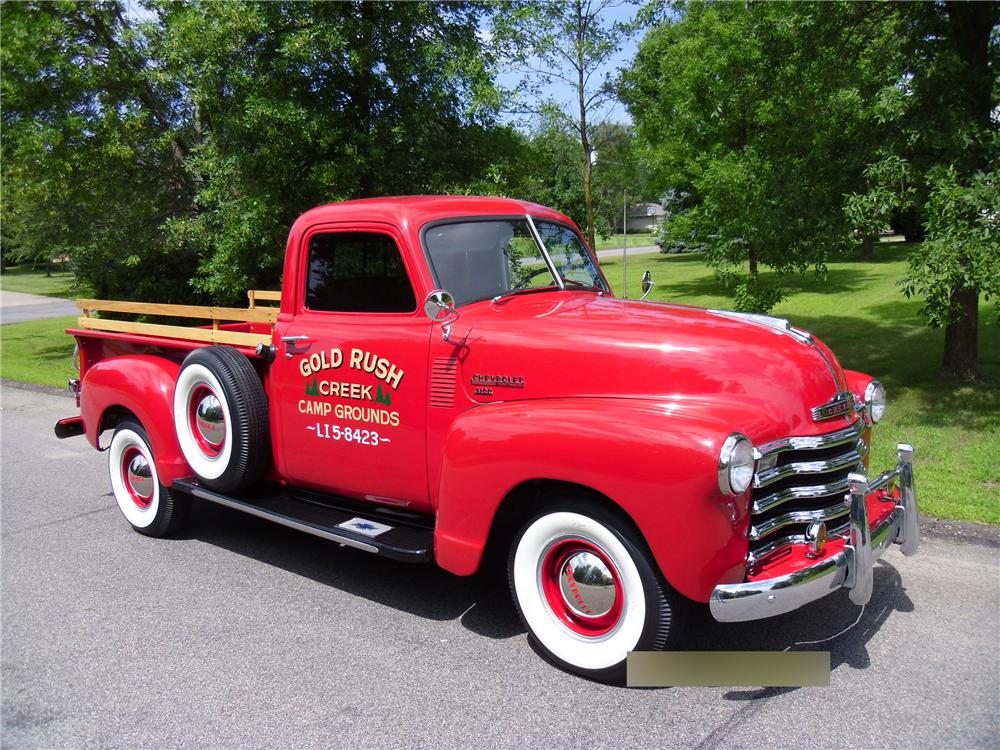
(241, 327)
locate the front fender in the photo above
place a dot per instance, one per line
(658, 460)
(144, 385)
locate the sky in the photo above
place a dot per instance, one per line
(566, 95)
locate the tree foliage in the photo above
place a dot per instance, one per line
(800, 129)
(758, 112)
(937, 160)
(569, 43)
(168, 157)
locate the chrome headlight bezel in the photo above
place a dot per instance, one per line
(875, 401)
(736, 464)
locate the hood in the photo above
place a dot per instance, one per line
(572, 343)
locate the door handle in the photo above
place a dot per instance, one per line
(291, 344)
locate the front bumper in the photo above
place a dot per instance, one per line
(850, 568)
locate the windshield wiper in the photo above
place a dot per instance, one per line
(524, 290)
(583, 285)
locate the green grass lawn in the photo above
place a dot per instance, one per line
(863, 316)
(857, 309)
(31, 281)
(639, 239)
(37, 351)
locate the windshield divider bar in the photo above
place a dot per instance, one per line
(545, 253)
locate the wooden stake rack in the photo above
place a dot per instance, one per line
(218, 315)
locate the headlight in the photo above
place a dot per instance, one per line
(736, 464)
(875, 401)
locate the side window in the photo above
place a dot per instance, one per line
(357, 272)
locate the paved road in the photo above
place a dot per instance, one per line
(617, 252)
(239, 633)
(17, 307)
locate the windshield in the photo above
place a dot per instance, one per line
(481, 259)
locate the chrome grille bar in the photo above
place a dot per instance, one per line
(787, 541)
(846, 461)
(799, 493)
(758, 531)
(813, 442)
(814, 486)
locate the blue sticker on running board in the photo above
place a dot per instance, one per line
(364, 526)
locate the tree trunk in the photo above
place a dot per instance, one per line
(588, 171)
(868, 248)
(753, 263)
(972, 25)
(362, 99)
(961, 337)
(581, 92)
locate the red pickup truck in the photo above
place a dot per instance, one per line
(446, 376)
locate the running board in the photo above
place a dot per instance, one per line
(409, 540)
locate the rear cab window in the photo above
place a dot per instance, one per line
(357, 272)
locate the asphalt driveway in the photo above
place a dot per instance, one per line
(241, 633)
(18, 307)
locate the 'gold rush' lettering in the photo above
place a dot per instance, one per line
(380, 367)
(318, 361)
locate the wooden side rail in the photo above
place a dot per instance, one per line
(255, 295)
(213, 335)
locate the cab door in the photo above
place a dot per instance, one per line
(351, 369)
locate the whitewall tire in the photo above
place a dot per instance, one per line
(150, 508)
(588, 590)
(221, 418)
(203, 421)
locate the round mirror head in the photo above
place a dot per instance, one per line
(439, 305)
(647, 281)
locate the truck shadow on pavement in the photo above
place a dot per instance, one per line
(426, 591)
(831, 624)
(483, 604)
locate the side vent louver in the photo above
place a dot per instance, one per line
(444, 374)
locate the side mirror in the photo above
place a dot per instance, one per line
(647, 285)
(439, 306)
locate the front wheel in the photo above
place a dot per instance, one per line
(589, 592)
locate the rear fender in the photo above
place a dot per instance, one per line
(658, 461)
(144, 385)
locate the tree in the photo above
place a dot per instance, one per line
(93, 148)
(569, 44)
(621, 168)
(757, 111)
(938, 160)
(168, 157)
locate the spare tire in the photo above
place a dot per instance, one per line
(221, 419)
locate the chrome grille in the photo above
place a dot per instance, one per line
(800, 480)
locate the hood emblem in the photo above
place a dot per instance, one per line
(842, 403)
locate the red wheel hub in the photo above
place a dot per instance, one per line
(137, 475)
(207, 420)
(582, 587)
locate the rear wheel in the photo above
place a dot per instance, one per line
(589, 592)
(151, 508)
(221, 419)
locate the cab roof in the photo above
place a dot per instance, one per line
(416, 210)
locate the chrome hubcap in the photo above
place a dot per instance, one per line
(587, 585)
(140, 476)
(210, 420)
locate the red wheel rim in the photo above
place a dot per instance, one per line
(206, 420)
(137, 476)
(582, 587)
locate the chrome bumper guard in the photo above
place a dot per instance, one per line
(851, 568)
